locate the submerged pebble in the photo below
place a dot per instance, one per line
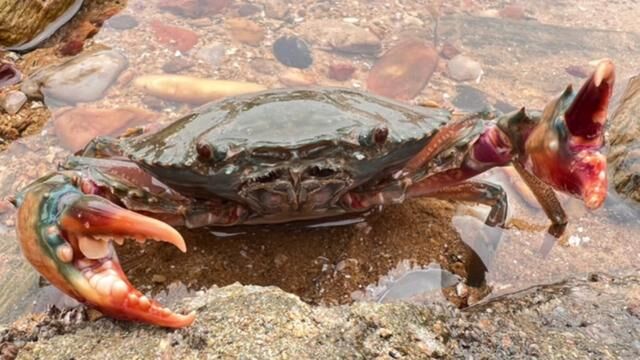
(84, 78)
(13, 101)
(212, 54)
(245, 31)
(194, 8)
(175, 37)
(404, 70)
(342, 37)
(122, 22)
(292, 51)
(341, 71)
(192, 90)
(76, 127)
(462, 68)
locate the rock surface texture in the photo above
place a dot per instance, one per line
(22, 21)
(624, 135)
(594, 318)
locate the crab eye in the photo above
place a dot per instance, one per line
(320, 172)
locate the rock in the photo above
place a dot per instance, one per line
(341, 71)
(248, 9)
(158, 278)
(512, 11)
(25, 24)
(276, 9)
(265, 66)
(404, 70)
(448, 51)
(462, 68)
(624, 140)
(177, 65)
(76, 127)
(194, 8)
(245, 31)
(12, 101)
(341, 36)
(192, 90)
(578, 71)
(123, 22)
(470, 99)
(212, 54)
(265, 323)
(295, 77)
(292, 51)
(74, 42)
(9, 75)
(84, 78)
(175, 37)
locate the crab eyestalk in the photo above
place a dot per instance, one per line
(67, 236)
(563, 149)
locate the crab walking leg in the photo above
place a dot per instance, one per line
(67, 236)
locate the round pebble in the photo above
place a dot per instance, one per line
(293, 52)
(122, 22)
(462, 68)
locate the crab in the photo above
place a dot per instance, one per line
(289, 155)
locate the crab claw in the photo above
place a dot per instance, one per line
(564, 149)
(587, 114)
(67, 236)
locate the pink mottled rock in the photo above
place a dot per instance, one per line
(175, 37)
(404, 70)
(512, 11)
(76, 127)
(341, 71)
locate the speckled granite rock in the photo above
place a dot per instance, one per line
(23, 21)
(594, 318)
(624, 138)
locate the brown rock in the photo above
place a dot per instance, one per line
(449, 51)
(245, 31)
(512, 11)
(74, 43)
(175, 37)
(194, 8)
(24, 21)
(76, 127)
(341, 36)
(404, 70)
(296, 77)
(341, 71)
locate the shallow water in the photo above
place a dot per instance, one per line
(526, 58)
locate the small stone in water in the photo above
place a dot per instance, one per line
(293, 52)
(158, 279)
(295, 77)
(341, 72)
(248, 9)
(512, 11)
(176, 65)
(194, 8)
(245, 31)
(213, 54)
(462, 68)
(404, 70)
(577, 71)
(13, 101)
(122, 22)
(176, 37)
(448, 51)
(9, 75)
(276, 9)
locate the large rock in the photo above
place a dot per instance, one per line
(624, 138)
(25, 23)
(594, 318)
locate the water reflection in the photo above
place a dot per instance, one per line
(522, 58)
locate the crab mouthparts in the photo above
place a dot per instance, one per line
(91, 224)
